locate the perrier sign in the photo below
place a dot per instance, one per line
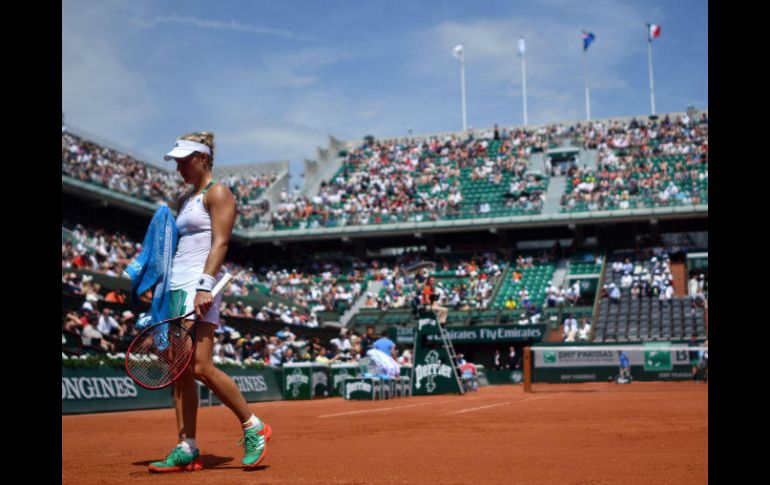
(296, 382)
(432, 372)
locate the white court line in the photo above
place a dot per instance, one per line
(362, 411)
(467, 410)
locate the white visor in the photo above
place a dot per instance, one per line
(185, 148)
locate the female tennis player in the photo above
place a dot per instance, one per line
(205, 217)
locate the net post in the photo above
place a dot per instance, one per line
(527, 369)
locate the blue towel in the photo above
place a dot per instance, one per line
(152, 268)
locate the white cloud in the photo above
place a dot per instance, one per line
(99, 91)
(232, 25)
(272, 141)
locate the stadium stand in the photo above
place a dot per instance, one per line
(642, 164)
(422, 180)
(90, 162)
(622, 164)
(646, 308)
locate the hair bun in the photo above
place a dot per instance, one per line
(208, 136)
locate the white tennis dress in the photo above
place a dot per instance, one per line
(194, 226)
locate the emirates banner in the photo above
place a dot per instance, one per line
(477, 334)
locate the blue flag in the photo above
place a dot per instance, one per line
(588, 37)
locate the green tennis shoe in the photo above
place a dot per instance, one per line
(255, 443)
(177, 461)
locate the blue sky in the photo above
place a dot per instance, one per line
(273, 79)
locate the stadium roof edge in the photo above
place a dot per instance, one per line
(541, 220)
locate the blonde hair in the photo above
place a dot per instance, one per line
(205, 137)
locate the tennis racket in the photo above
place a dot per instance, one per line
(160, 354)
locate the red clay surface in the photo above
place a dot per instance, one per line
(566, 434)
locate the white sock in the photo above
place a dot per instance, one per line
(253, 422)
(187, 444)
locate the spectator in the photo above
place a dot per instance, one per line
(405, 359)
(626, 280)
(276, 351)
(430, 300)
(614, 293)
(342, 343)
(513, 358)
(570, 325)
(367, 341)
(497, 363)
(326, 356)
(91, 337)
(115, 296)
(108, 325)
(585, 331)
(73, 322)
(693, 290)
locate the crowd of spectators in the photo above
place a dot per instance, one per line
(419, 180)
(247, 189)
(89, 162)
(571, 332)
(97, 250)
(320, 287)
(641, 279)
(559, 296)
(641, 163)
(317, 286)
(98, 326)
(286, 347)
(109, 253)
(464, 285)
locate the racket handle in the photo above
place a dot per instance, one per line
(221, 285)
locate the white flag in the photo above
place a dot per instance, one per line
(521, 46)
(458, 51)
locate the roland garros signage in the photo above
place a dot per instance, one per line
(477, 334)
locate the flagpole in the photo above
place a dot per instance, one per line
(585, 80)
(649, 58)
(524, 85)
(462, 88)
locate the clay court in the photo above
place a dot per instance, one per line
(588, 434)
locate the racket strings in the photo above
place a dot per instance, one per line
(158, 356)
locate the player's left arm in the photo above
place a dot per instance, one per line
(221, 205)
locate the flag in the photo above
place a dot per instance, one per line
(588, 37)
(653, 31)
(458, 51)
(521, 46)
